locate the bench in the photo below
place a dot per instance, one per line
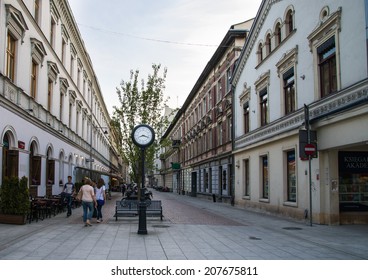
(126, 207)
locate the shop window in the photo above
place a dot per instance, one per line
(353, 181)
(264, 177)
(246, 177)
(291, 176)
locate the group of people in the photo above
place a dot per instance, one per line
(91, 194)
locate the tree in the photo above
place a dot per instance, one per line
(140, 103)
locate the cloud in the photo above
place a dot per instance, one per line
(124, 35)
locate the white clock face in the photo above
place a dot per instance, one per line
(143, 135)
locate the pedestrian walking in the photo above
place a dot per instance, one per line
(88, 201)
(68, 195)
(100, 197)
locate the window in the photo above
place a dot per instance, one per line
(10, 159)
(229, 126)
(246, 117)
(78, 77)
(61, 107)
(37, 11)
(268, 44)
(291, 176)
(210, 139)
(50, 171)
(219, 134)
(289, 22)
(70, 115)
(209, 100)
(72, 66)
(228, 80)
(34, 79)
(265, 177)
(10, 57)
(246, 177)
(204, 104)
(52, 33)
(219, 91)
(327, 67)
(49, 95)
(34, 167)
(278, 34)
(259, 53)
(264, 107)
(289, 91)
(224, 180)
(63, 51)
(324, 44)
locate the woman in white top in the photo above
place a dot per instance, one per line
(100, 197)
(88, 201)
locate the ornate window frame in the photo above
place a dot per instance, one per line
(329, 26)
(288, 60)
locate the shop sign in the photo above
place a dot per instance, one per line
(353, 162)
(21, 145)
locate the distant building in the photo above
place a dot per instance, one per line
(304, 56)
(199, 161)
(54, 121)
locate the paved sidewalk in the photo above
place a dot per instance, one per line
(207, 231)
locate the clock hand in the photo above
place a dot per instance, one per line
(143, 136)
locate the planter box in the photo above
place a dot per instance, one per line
(13, 219)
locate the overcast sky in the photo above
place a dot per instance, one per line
(181, 35)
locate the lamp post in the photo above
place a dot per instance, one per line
(142, 136)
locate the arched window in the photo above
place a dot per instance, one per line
(289, 20)
(268, 44)
(61, 168)
(34, 166)
(50, 172)
(259, 53)
(277, 34)
(10, 158)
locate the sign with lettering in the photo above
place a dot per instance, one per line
(353, 162)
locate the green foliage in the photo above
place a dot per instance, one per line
(14, 196)
(140, 103)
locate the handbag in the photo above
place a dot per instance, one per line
(79, 195)
(100, 202)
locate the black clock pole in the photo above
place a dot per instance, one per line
(142, 227)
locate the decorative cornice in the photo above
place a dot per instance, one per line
(355, 95)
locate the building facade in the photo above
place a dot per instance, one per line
(54, 121)
(304, 62)
(199, 162)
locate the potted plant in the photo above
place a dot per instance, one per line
(14, 200)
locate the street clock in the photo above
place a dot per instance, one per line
(143, 135)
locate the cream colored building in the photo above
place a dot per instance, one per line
(54, 121)
(299, 53)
